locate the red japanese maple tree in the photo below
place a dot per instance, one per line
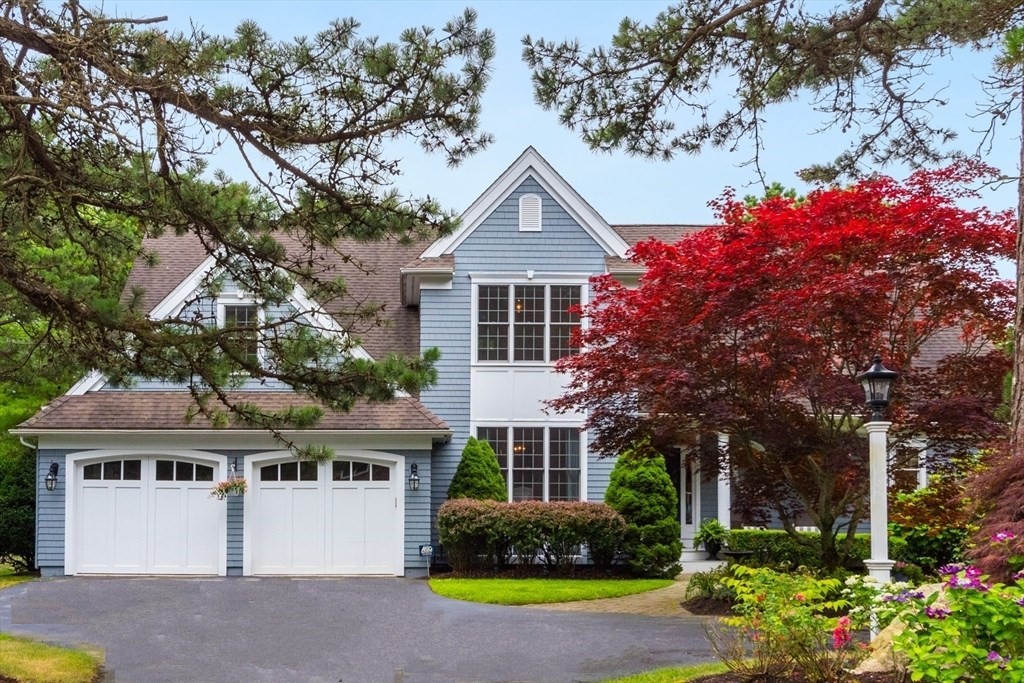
(756, 329)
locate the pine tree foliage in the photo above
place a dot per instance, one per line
(110, 128)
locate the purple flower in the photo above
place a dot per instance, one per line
(903, 596)
(950, 569)
(1021, 602)
(994, 656)
(1003, 536)
(937, 612)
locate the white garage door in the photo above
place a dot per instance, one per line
(146, 516)
(339, 517)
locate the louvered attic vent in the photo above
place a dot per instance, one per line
(529, 213)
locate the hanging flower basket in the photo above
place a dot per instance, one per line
(231, 487)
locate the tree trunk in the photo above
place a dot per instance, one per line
(1017, 394)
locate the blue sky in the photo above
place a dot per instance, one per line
(623, 189)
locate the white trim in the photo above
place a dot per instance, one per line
(94, 381)
(724, 489)
(73, 459)
(531, 163)
(525, 277)
(171, 304)
(326, 322)
(397, 483)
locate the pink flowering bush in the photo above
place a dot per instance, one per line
(978, 635)
(788, 622)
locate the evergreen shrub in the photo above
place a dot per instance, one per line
(642, 492)
(478, 475)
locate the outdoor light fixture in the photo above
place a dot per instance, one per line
(51, 476)
(877, 382)
(414, 477)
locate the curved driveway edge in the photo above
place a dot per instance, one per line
(336, 630)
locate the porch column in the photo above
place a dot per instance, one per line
(724, 484)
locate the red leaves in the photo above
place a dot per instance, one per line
(757, 327)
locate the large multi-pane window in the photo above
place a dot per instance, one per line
(526, 323)
(538, 463)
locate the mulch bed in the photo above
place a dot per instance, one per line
(707, 607)
(798, 678)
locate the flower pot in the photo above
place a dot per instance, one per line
(713, 548)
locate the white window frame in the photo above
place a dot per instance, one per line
(547, 427)
(240, 299)
(547, 281)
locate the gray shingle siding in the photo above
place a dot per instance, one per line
(50, 514)
(496, 245)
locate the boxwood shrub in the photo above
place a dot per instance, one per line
(484, 534)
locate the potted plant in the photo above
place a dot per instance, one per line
(230, 487)
(713, 535)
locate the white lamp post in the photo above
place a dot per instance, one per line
(877, 382)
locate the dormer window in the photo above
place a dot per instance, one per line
(529, 213)
(243, 320)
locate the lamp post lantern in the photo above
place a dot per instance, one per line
(877, 382)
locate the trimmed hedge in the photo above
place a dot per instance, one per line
(775, 549)
(485, 533)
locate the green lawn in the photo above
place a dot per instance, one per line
(8, 577)
(675, 674)
(27, 661)
(541, 591)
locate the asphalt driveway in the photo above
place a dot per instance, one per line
(335, 630)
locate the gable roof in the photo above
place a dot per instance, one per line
(531, 163)
(374, 266)
(166, 410)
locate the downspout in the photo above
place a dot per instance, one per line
(26, 444)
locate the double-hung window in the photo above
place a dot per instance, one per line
(242, 320)
(538, 463)
(526, 323)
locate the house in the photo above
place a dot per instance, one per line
(133, 475)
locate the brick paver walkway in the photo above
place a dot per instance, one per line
(663, 602)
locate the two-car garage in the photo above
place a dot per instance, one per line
(152, 513)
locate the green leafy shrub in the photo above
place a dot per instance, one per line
(784, 622)
(642, 492)
(478, 475)
(17, 506)
(934, 523)
(970, 631)
(709, 585)
(487, 533)
(777, 549)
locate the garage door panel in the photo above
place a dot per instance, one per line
(203, 537)
(168, 532)
(94, 519)
(348, 534)
(379, 507)
(307, 537)
(129, 532)
(273, 524)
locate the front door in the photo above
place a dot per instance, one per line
(689, 496)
